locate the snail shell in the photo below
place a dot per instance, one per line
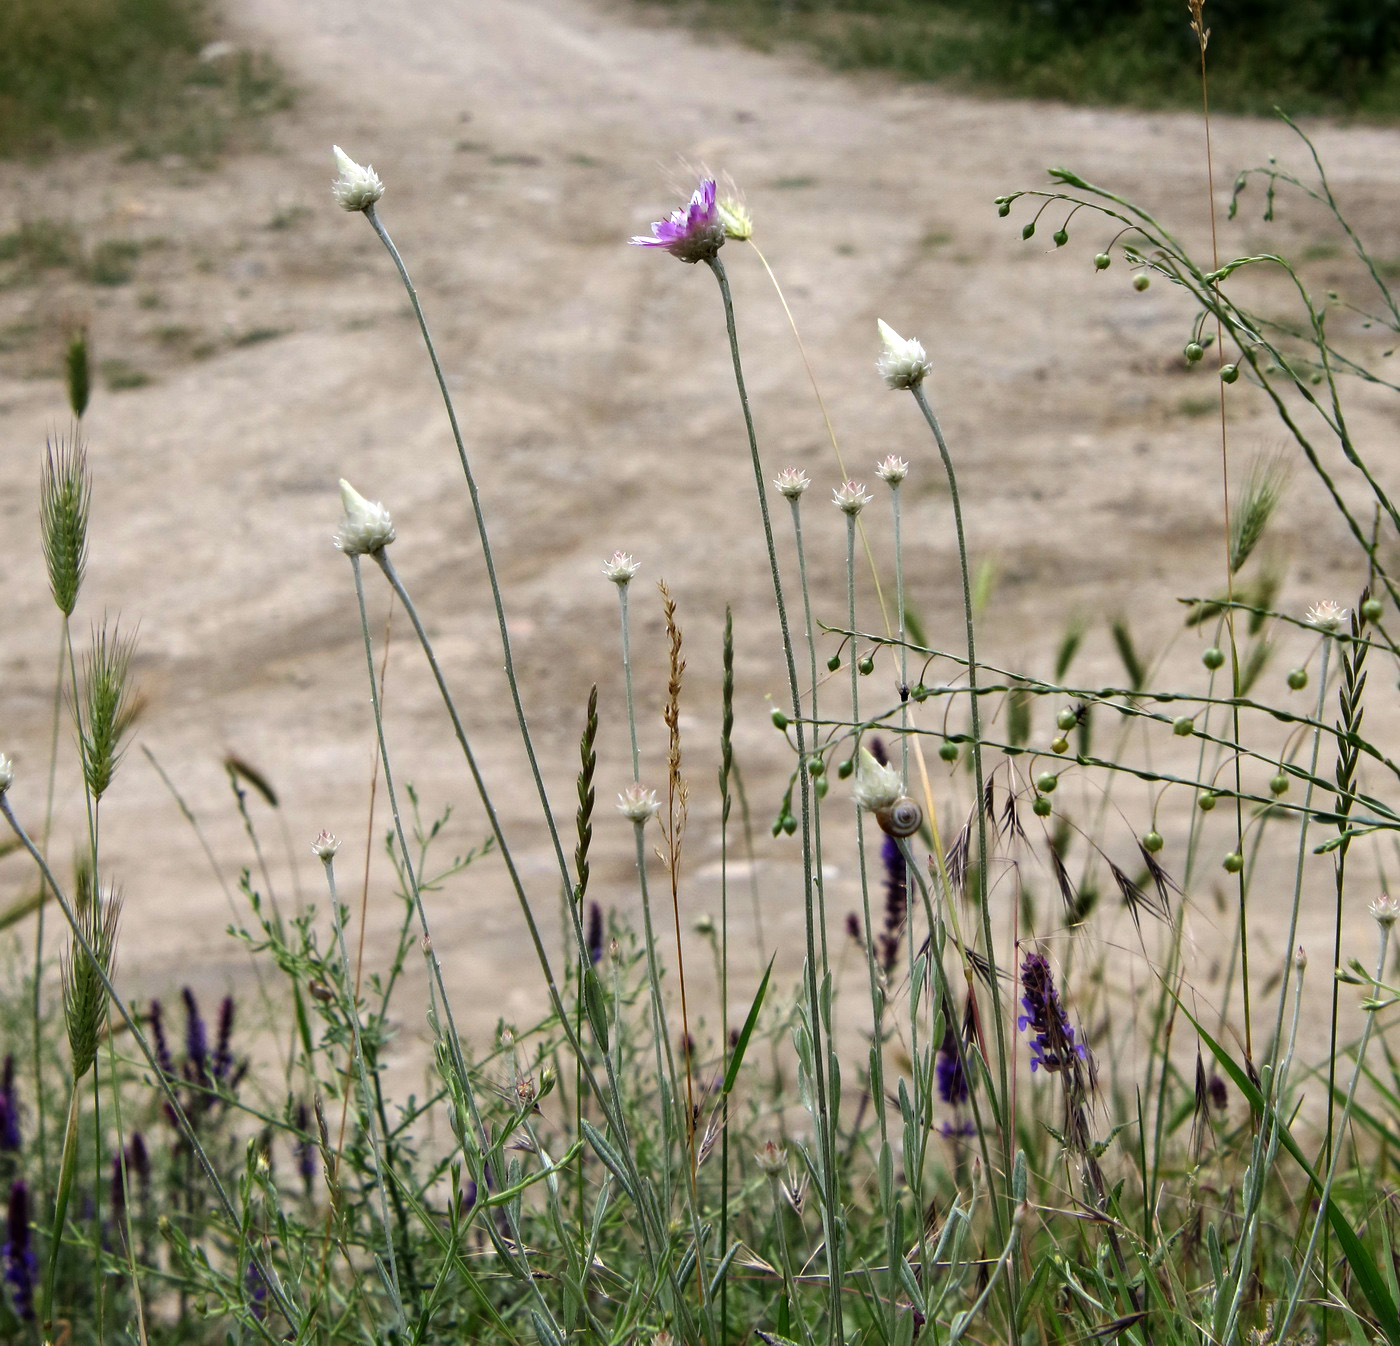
(901, 819)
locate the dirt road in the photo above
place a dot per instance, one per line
(522, 141)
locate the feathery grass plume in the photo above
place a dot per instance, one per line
(108, 707)
(84, 994)
(1263, 488)
(588, 763)
(78, 372)
(65, 500)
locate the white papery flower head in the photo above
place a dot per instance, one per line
(892, 470)
(620, 567)
(902, 364)
(791, 482)
(875, 787)
(1327, 616)
(850, 497)
(1384, 910)
(366, 527)
(7, 773)
(356, 187)
(638, 804)
(325, 847)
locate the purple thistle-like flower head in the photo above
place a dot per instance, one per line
(1052, 1039)
(20, 1264)
(695, 233)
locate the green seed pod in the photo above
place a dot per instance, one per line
(1183, 725)
(833, 663)
(920, 692)
(780, 721)
(845, 769)
(1141, 281)
(1297, 678)
(821, 786)
(1061, 237)
(1193, 352)
(1028, 230)
(1046, 782)
(1152, 842)
(1067, 719)
(789, 824)
(1229, 373)
(1041, 807)
(1233, 863)
(1213, 657)
(1102, 261)
(1206, 802)
(1279, 785)
(866, 665)
(1004, 209)
(1372, 609)
(948, 751)
(1060, 744)
(816, 767)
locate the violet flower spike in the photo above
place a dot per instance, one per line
(20, 1262)
(1052, 1041)
(695, 233)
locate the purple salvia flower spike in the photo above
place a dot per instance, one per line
(196, 1040)
(223, 1052)
(155, 1018)
(694, 233)
(139, 1159)
(10, 1138)
(948, 1071)
(20, 1263)
(1052, 1039)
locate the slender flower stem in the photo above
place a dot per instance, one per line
(177, 1111)
(381, 1183)
(627, 679)
(980, 812)
(825, 1111)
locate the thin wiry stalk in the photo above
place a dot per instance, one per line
(627, 680)
(351, 1006)
(815, 973)
(177, 1111)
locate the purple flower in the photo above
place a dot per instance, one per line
(305, 1149)
(139, 1160)
(1052, 1041)
(896, 902)
(20, 1264)
(10, 1138)
(948, 1071)
(594, 934)
(223, 1052)
(196, 1040)
(694, 233)
(256, 1289)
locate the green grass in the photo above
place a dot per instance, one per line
(1297, 54)
(73, 72)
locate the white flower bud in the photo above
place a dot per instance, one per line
(791, 482)
(366, 527)
(620, 568)
(892, 470)
(1327, 616)
(638, 804)
(325, 847)
(356, 188)
(875, 787)
(850, 497)
(1384, 910)
(902, 364)
(7, 773)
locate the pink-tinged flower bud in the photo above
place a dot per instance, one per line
(791, 482)
(366, 527)
(325, 847)
(638, 804)
(1384, 910)
(892, 470)
(850, 497)
(620, 567)
(356, 187)
(902, 364)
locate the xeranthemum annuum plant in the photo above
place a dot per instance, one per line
(931, 1120)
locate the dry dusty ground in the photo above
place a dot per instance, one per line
(522, 141)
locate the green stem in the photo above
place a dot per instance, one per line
(66, 1168)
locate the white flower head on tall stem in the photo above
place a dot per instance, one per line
(1327, 616)
(791, 482)
(356, 187)
(892, 470)
(325, 847)
(638, 804)
(7, 773)
(902, 364)
(366, 527)
(1384, 910)
(875, 787)
(850, 497)
(620, 567)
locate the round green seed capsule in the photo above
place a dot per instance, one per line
(866, 665)
(1213, 657)
(1060, 744)
(1152, 842)
(1042, 807)
(1233, 863)
(789, 824)
(1061, 237)
(1279, 785)
(780, 721)
(1028, 230)
(1372, 609)
(1004, 209)
(1183, 725)
(1229, 373)
(816, 767)
(821, 786)
(1206, 802)
(1102, 261)
(1046, 782)
(845, 769)
(1193, 352)
(920, 692)
(948, 751)
(833, 663)
(1297, 678)
(1067, 719)
(1141, 282)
